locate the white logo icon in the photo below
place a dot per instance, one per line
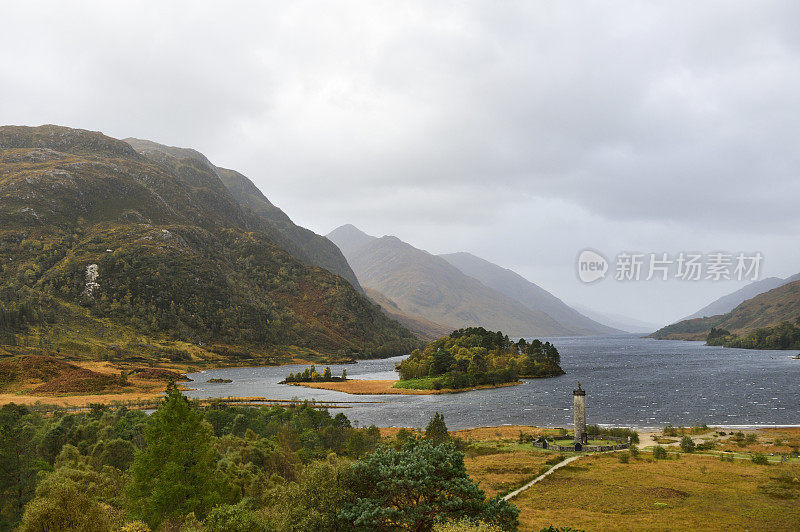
(592, 266)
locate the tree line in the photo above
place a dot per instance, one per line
(224, 468)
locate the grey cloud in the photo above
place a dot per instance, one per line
(400, 117)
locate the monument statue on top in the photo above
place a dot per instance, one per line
(579, 400)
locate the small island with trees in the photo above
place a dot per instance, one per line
(473, 356)
(310, 375)
(466, 359)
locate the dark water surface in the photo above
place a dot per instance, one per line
(629, 381)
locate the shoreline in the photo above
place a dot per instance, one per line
(386, 387)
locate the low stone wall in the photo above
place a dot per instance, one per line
(586, 448)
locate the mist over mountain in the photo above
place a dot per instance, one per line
(617, 321)
(429, 286)
(529, 294)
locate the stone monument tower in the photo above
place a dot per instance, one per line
(579, 399)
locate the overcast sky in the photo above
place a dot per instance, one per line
(522, 132)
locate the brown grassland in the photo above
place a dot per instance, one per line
(385, 387)
(692, 493)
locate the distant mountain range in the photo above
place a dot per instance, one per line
(134, 250)
(767, 309)
(457, 290)
(617, 321)
(731, 301)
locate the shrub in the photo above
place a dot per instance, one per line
(465, 525)
(634, 450)
(624, 458)
(759, 459)
(687, 444)
(659, 453)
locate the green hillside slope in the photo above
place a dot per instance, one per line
(107, 253)
(761, 313)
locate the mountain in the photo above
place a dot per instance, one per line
(422, 328)
(532, 296)
(617, 321)
(350, 239)
(114, 254)
(764, 310)
(729, 302)
(424, 285)
(303, 244)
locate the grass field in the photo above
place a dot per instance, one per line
(692, 493)
(598, 492)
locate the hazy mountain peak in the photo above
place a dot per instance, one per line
(532, 296)
(349, 238)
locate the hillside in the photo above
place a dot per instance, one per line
(529, 294)
(422, 284)
(730, 301)
(424, 329)
(769, 309)
(117, 255)
(303, 244)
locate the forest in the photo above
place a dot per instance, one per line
(783, 336)
(224, 468)
(474, 356)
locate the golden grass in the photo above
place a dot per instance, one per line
(505, 471)
(385, 387)
(694, 493)
(78, 400)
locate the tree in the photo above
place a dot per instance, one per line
(326, 375)
(687, 444)
(410, 488)
(442, 360)
(172, 476)
(312, 503)
(19, 463)
(62, 504)
(659, 453)
(344, 374)
(436, 431)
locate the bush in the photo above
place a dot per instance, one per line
(759, 459)
(634, 450)
(659, 453)
(687, 444)
(465, 525)
(624, 458)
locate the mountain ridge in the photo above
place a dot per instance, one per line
(767, 309)
(113, 254)
(531, 295)
(427, 285)
(302, 243)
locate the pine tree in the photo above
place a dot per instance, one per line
(436, 431)
(173, 475)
